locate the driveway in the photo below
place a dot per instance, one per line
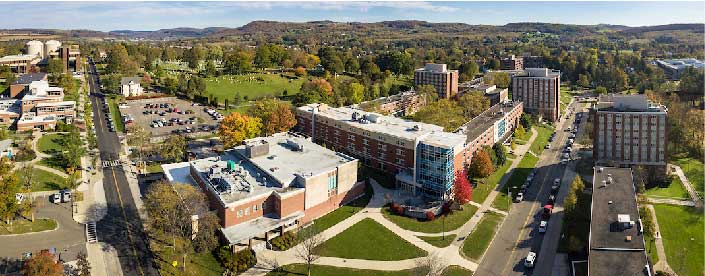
(68, 238)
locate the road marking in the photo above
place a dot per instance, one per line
(129, 232)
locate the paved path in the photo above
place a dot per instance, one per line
(670, 201)
(662, 264)
(689, 187)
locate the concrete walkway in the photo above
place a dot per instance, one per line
(662, 264)
(670, 201)
(689, 187)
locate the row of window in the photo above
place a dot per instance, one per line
(246, 211)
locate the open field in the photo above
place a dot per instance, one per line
(370, 240)
(480, 238)
(682, 233)
(251, 86)
(447, 222)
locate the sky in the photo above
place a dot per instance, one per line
(106, 16)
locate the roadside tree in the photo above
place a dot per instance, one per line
(172, 149)
(481, 165)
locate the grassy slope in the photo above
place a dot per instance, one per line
(50, 143)
(452, 221)
(682, 233)
(693, 170)
(272, 84)
(342, 213)
(675, 190)
(454, 270)
(370, 240)
(439, 241)
(478, 241)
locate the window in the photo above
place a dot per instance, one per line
(400, 152)
(247, 211)
(332, 185)
(239, 213)
(254, 208)
(264, 206)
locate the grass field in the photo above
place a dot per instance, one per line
(439, 241)
(248, 86)
(21, 226)
(519, 175)
(482, 190)
(300, 269)
(198, 264)
(452, 221)
(50, 143)
(480, 238)
(454, 270)
(544, 132)
(675, 190)
(682, 233)
(370, 240)
(44, 181)
(693, 170)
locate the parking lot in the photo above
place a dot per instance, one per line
(164, 116)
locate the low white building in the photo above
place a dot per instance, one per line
(130, 87)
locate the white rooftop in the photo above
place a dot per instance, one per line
(18, 58)
(290, 155)
(392, 126)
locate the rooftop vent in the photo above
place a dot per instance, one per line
(601, 169)
(416, 128)
(628, 238)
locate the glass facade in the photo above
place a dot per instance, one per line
(434, 169)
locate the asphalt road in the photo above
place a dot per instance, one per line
(68, 238)
(122, 227)
(519, 233)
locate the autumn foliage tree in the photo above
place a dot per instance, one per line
(276, 115)
(42, 263)
(481, 165)
(462, 190)
(237, 127)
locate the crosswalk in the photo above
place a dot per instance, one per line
(111, 163)
(91, 234)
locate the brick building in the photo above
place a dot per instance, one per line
(511, 63)
(271, 184)
(402, 104)
(35, 104)
(629, 130)
(539, 89)
(445, 81)
(422, 157)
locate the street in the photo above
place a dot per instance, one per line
(519, 234)
(122, 227)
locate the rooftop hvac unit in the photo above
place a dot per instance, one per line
(355, 116)
(417, 128)
(601, 169)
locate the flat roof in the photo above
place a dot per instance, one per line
(249, 229)
(478, 125)
(27, 118)
(610, 251)
(627, 103)
(682, 63)
(29, 78)
(18, 58)
(284, 162)
(388, 125)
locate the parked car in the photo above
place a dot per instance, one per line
(547, 211)
(542, 226)
(19, 198)
(56, 198)
(556, 183)
(519, 197)
(530, 259)
(548, 146)
(65, 195)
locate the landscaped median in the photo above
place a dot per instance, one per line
(115, 113)
(477, 242)
(23, 226)
(447, 222)
(369, 240)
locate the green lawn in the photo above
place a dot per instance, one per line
(198, 264)
(324, 270)
(50, 143)
(544, 132)
(439, 241)
(482, 190)
(44, 181)
(454, 270)
(480, 238)
(675, 190)
(452, 221)
(115, 113)
(519, 175)
(370, 240)
(693, 170)
(682, 233)
(342, 213)
(248, 85)
(21, 226)
(154, 168)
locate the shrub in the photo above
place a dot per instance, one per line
(430, 216)
(399, 210)
(239, 262)
(284, 242)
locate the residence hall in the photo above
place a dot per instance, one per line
(271, 184)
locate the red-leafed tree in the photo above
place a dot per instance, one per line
(462, 188)
(42, 263)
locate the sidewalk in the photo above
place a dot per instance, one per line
(689, 187)
(662, 263)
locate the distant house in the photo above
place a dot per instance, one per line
(130, 87)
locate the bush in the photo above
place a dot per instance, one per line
(430, 216)
(399, 210)
(284, 242)
(238, 262)
(24, 155)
